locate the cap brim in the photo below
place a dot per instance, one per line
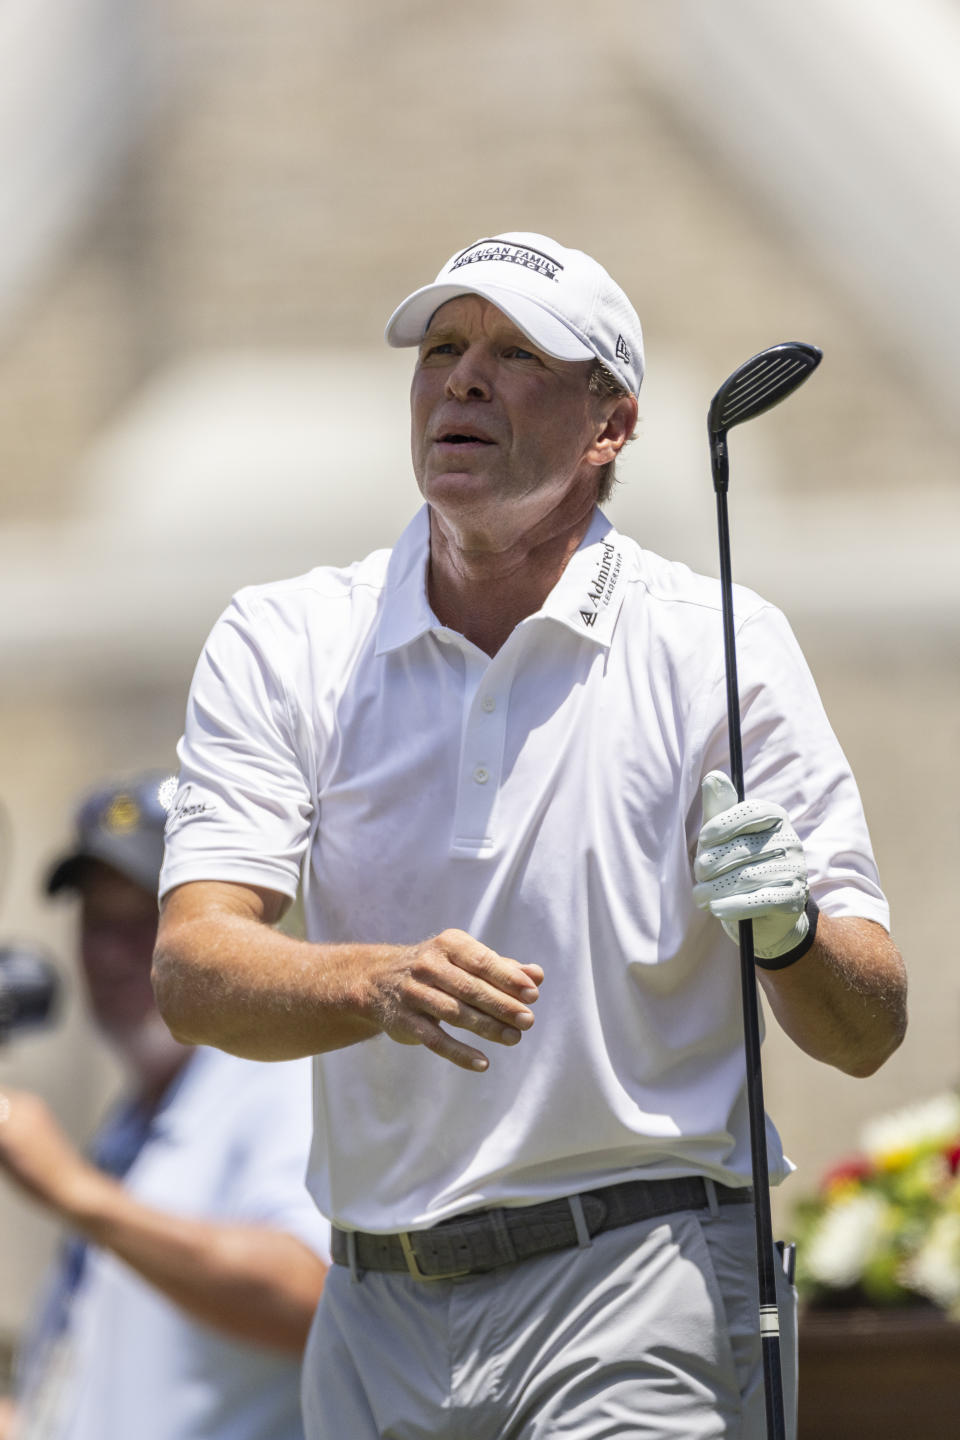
(141, 865)
(408, 323)
(65, 875)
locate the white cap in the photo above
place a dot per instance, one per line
(561, 299)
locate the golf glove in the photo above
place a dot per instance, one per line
(750, 866)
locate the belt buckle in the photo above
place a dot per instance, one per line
(413, 1264)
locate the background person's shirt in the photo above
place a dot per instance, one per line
(111, 1357)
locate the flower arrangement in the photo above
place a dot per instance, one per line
(885, 1227)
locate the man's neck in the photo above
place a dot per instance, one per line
(485, 593)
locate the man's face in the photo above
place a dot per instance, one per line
(497, 422)
(118, 927)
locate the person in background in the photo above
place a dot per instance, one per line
(180, 1302)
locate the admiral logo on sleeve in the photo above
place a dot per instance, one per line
(603, 586)
(535, 260)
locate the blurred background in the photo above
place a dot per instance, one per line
(208, 212)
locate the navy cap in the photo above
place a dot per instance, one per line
(120, 824)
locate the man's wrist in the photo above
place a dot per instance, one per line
(790, 957)
(88, 1198)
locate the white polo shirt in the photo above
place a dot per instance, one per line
(547, 801)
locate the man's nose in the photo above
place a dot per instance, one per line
(469, 378)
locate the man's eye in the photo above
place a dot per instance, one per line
(444, 347)
(518, 353)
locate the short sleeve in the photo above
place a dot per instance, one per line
(243, 811)
(791, 755)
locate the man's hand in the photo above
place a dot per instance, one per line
(750, 866)
(411, 992)
(37, 1156)
(223, 976)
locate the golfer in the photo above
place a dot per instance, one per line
(498, 753)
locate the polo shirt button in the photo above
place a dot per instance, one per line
(481, 775)
(488, 703)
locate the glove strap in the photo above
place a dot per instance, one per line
(792, 956)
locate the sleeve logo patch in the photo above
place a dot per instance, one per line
(183, 807)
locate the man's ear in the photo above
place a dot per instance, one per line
(615, 430)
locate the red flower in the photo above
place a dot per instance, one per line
(850, 1171)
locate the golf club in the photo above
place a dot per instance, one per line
(760, 383)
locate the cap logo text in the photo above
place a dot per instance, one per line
(513, 255)
(622, 352)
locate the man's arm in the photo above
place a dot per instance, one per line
(845, 1001)
(844, 998)
(252, 1282)
(223, 977)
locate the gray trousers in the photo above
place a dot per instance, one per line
(650, 1332)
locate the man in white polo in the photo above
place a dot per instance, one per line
(492, 751)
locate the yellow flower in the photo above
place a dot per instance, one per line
(894, 1141)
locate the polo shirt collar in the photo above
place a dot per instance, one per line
(588, 596)
(406, 612)
(586, 599)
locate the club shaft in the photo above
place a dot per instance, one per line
(766, 1254)
(730, 647)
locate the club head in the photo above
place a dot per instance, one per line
(761, 382)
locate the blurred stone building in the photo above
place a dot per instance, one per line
(211, 209)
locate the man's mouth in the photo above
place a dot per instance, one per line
(462, 437)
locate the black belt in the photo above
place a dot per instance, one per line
(483, 1240)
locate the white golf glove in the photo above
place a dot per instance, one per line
(750, 866)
